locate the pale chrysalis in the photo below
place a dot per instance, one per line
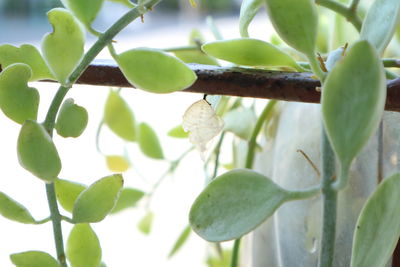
(202, 124)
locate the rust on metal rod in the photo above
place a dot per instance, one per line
(288, 86)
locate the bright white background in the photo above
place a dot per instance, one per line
(123, 245)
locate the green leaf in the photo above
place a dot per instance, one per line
(250, 52)
(129, 198)
(234, 204)
(83, 247)
(353, 100)
(71, 120)
(178, 132)
(27, 54)
(33, 259)
(148, 142)
(155, 71)
(117, 163)
(296, 22)
(197, 57)
(127, 3)
(67, 192)
(86, 11)
(18, 101)
(11, 209)
(96, 201)
(119, 117)
(378, 226)
(37, 152)
(248, 10)
(183, 237)
(63, 48)
(241, 122)
(380, 23)
(145, 223)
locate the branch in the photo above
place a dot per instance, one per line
(213, 80)
(343, 10)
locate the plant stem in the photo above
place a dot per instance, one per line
(217, 153)
(49, 122)
(56, 220)
(315, 67)
(235, 253)
(305, 194)
(257, 128)
(45, 220)
(343, 10)
(329, 208)
(354, 5)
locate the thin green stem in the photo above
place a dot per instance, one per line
(315, 67)
(67, 219)
(49, 122)
(329, 208)
(235, 253)
(45, 220)
(354, 5)
(257, 128)
(391, 62)
(217, 153)
(98, 132)
(214, 29)
(112, 51)
(305, 194)
(56, 220)
(342, 10)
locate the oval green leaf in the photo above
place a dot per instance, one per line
(250, 52)
(119, 117)
(11, 209)
(128, 198)
(71, 120)
(18, 101)
(83, 247)
(183, 237)
(155, 71)
(67, 192)
(146, 223)
(116, 163)
(86, 11)
(27, 54)
(127, 3)
(63, 48)
(353, 100)
(380, 23)
(234, 204)
(241, 122)
(197, 57)
(378, 226)
(178, 132)
(296, 22)
(95, 202)
(149, 143)
(37, 152)
(33, 259)
(248, 10)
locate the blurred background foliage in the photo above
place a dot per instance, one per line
(27, 8)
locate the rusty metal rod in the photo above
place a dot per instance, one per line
(288, 86)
